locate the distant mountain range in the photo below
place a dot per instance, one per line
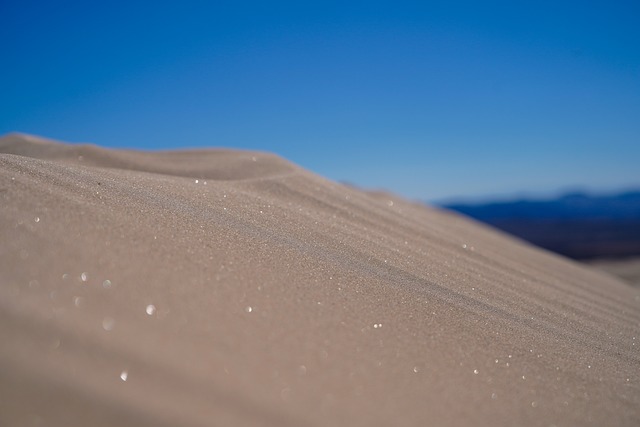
(576, 225)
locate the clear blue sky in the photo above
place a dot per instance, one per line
(427, 99)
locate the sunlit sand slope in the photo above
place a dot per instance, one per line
(233, 288)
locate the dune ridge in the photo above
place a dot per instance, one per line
(223, 287)
(217, 164)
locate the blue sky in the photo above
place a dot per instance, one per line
(427, 99)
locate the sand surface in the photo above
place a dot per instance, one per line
(231, 288)
(627, 269)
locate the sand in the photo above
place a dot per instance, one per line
(627, 269)
(233, 288)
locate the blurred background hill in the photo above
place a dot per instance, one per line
(603, 230)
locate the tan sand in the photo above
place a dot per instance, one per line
(231, 288)
(627, 269)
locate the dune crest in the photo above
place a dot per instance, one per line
(134, 293)
(214, 164)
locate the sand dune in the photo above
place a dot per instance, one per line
(627, 269)
(220, 287)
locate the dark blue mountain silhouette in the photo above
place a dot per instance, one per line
(577, 225)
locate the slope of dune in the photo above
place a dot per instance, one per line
(220, 287)
(627, 269)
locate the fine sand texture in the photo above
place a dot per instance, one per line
(233, 288)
